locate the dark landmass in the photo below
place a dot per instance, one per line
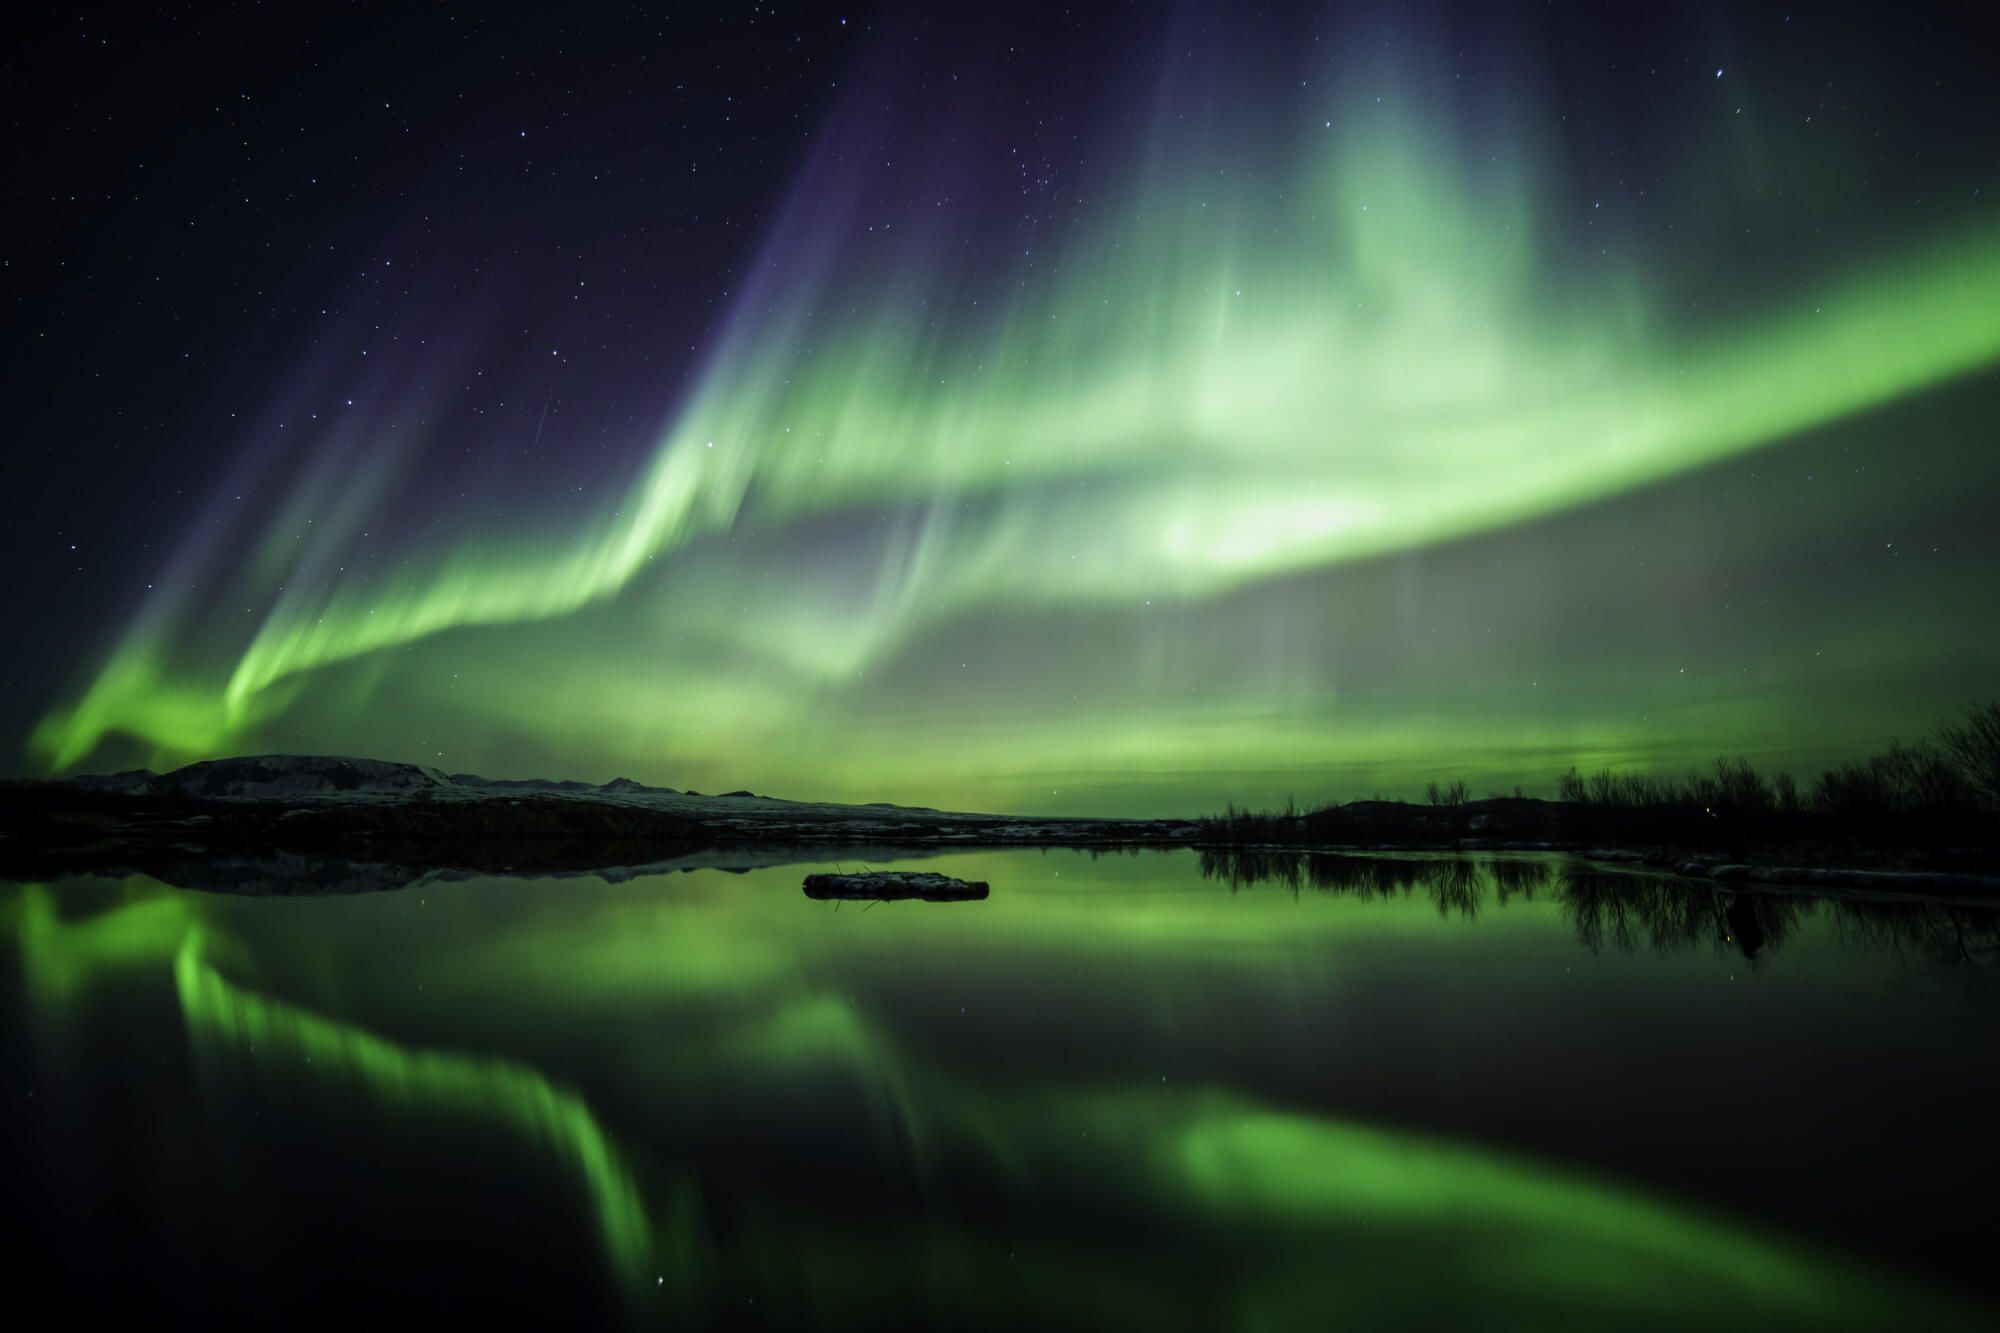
(1714, 840)
(889, 886)
(1918, 815)
(315, 823)
(326, 824)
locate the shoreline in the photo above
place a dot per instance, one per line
(260, 845)
(334, 824)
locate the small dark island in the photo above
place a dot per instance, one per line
(889, 886)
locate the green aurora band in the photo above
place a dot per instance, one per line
(1364, 348)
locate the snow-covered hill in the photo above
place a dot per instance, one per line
(279, 776)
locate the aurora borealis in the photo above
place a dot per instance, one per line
(1122, 414)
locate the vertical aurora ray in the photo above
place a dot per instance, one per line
(1377, 337)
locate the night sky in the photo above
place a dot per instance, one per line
(1119, 409)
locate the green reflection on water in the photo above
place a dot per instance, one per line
(895, 1165)
(414, 1079)
(1584, 1239)
(59, 958)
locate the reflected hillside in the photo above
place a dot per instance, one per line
(276, 873)
(1623, 910)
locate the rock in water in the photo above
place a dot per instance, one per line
(894, 885)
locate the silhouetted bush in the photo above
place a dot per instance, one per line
(1927, 794)
(1918, 794)
(1974, 746)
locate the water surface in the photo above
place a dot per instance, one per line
(1183, 1091)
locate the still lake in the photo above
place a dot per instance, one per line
(1158, 1090)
